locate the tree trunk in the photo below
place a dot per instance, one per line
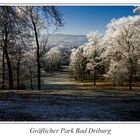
(94, 76)
(3, 67)
(130, 81)
(131, 75)
(38, 62)
(114, 81)
(18, 76)
(11, 86)
(31, 81)
(82, 76)
(38, 55)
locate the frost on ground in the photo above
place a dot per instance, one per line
(63, 99)
(99, 105)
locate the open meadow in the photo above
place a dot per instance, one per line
(67, 100)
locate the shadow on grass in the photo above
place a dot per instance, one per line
(98, 105)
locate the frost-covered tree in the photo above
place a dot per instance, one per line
(65, 57)
(117, 72)
(72, 60)
(40, 19)
(29, 67)
(11, 27)
(137, 9)
(78, 63)
(92, 51)
(85, 61)
(53, 59)
(123, 48)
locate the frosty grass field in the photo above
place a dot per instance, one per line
(63, 99)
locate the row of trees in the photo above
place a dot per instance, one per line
(23, 40)
(115, 56)
(55, 57)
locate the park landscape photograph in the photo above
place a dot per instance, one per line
(70, 63)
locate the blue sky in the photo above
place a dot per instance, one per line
(81, 20)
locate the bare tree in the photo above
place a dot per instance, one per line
(6, 24)
(41, 17)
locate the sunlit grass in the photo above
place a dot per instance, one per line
(107, 85)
